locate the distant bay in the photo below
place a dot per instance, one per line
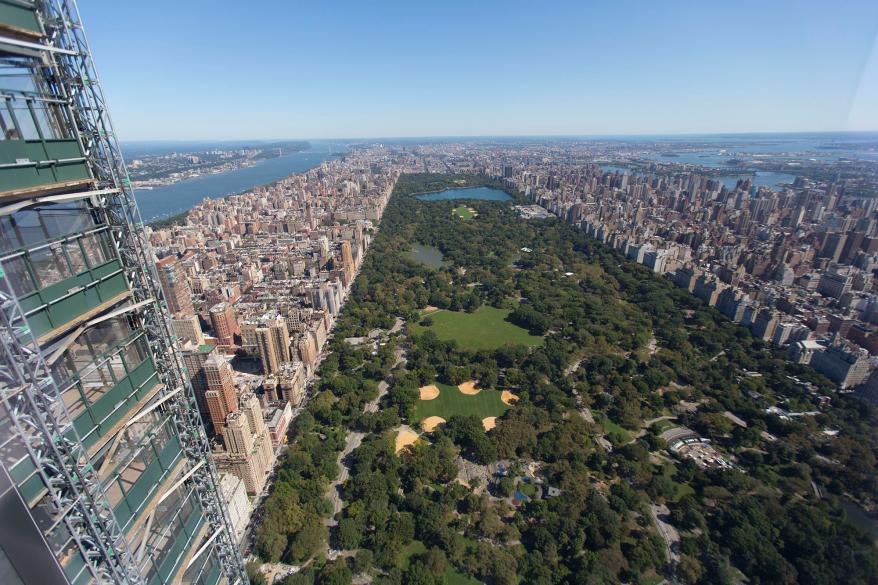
(172, 199)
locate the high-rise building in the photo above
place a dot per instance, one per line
(249, 452)
(220, 395)
(846, 366)
(835, 282)
(347, 259)
(307, 346)
(225, 326)
(273, 343)
(106, 474)
(174, 285)
(238, 438)
(188, 328)
(291, 380)
(240, 508)
(194, 358)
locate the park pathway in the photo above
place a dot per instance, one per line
(353, 440)
(669, 534)
(584, 411)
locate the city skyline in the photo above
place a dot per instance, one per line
(489, 356)
(499, 70)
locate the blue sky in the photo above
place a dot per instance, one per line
(192, 69)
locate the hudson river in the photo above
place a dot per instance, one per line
(173, 199)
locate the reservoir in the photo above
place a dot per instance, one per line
(179, 197)
(768, 179)
(482, 193)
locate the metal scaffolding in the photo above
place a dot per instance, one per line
(41, 424)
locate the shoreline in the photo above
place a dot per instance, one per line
(175, 218)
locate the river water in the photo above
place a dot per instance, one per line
(172, 199)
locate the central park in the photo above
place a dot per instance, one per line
(505, 426)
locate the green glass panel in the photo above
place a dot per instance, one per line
(14, 14)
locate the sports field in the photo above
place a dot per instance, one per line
(464, 212)
(452, 401)
(486, 328)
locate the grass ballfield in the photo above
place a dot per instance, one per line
(451, 401)
(486, 328)
(463, 212)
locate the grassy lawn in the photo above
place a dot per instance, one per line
(663, 425)
(450, 402)
(486, 328)
(452, 575)
(463, 212)
(415, 547)
(680, 489)
(612, 428)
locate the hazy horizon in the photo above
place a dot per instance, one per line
(667, 135)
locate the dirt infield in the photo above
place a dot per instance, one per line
(508, 397)
(489, 422)
(430, 392)
(469, 388)
(430, 423)
(405, 437)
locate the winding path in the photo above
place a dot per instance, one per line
(353, 440)
(669, 534)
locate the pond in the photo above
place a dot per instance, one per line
(483, 193)
(428, 255)
(861, 518)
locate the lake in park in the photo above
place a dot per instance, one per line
(428, 255)
(483, 193)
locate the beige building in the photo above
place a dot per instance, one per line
(238, 504)
(249, 453)
(248, 338)
(347, 259)
(291, 380)
(188, 328)
(307, 347)
(273, 344)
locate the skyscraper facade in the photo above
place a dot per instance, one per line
(188, 328)
(194, 358)
(174, 285)
(249, 452)
(220, 396)
(273, 343)
(347, 259)
(225, 326)
(105, 475)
